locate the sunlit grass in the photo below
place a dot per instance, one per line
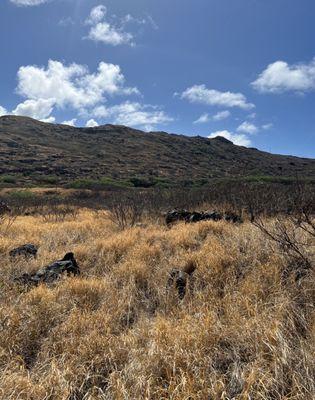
(117, 332)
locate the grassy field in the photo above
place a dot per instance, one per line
(246, 330)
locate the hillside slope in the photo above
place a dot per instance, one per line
(33, 151)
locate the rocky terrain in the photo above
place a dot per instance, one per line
(37, 153)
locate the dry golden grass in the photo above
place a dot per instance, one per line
(116, 332)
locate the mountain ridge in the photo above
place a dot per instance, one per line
(33, 151)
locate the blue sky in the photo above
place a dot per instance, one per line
(244, 69)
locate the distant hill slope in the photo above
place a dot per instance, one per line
(33, 152)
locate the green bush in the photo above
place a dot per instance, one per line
(21, 194)
(142, 182)
(8, 179)
(49, 179)
(101, 184)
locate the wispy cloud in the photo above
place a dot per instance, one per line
(202, 95)
(203, 119)
(252, 115)
(220, 116)
(67, 21)
(28, 2)
(134, 114)
(266, 127)
(147, 20)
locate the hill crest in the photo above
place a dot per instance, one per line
(33, 152)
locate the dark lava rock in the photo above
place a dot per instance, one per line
(177, 215)
(51, 272)
(27, 251)
(231, 217)
(195, 216)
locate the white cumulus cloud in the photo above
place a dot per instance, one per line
(238, 139)
(91, 123)
(202, 95)
(3, 111)
(281, 77)
(39, 109)
(104, 31)
(248, 127)
(71, 122)
(72, 85)
(96, 15)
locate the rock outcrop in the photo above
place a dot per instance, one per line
(195, 216)
(51, 272)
